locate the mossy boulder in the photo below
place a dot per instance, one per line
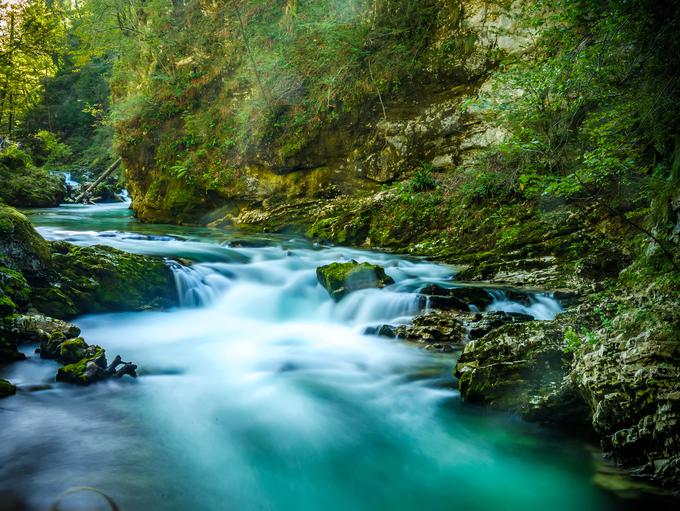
(38, 327)
(84, 371)
(14, 290)
(103, 279)
(7, 389)
(73, 350)
(8, 349)
(21, 247)
(340, 279)
(23, 185)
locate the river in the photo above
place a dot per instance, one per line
(261, 393)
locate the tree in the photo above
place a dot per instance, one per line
(32, 42)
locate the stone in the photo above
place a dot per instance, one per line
(340, 279)
(7, 389)
(38, 327)
(21, 247)
(522, 368)
(103, 279)
(476, 296)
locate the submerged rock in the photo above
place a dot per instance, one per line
(340, 279)
(7, 389)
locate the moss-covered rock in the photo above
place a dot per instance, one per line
(103, 279)
(7, 389)
(37, 327)
(339, 279)
(21, 247)
(23, 185)
(84, 371)
(14, 290)
(630, 378)
(73, 350)
(8, 349)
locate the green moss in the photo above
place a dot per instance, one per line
(100, 279)
(6, 389)
(73, 350)
(26, 186)
(21, 247)
(339, 279)
(87, 370)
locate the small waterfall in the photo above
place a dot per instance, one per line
(198, 285)
(539, 305)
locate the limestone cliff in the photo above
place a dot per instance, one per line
(392, 125)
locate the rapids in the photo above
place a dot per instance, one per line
(261, 393)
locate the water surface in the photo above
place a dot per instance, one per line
(261, 393)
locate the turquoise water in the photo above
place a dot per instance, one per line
(260, 393)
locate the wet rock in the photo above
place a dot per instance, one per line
(340, 279)
(103, 279)
(38, 327)
(21, 247)
(492, 320)
(522, 368)
(86, 370)
(7, 389)
(8, 350)
(449, 330)
(476, 296)
(436, 327)
(632, 383)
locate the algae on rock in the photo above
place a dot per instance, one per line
(340, 279)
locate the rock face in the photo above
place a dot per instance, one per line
(345, 150)
(624, 379)
(340, 279)
(631, 381)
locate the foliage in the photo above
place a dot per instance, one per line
(423, 179)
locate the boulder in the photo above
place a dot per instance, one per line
(37, 327)
(7, 389)
(340, 279)
(24, 185)
(476, 296)
(523, 368)
(103, 279)
(21, 247)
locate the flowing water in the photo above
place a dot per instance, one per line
(261, 393)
